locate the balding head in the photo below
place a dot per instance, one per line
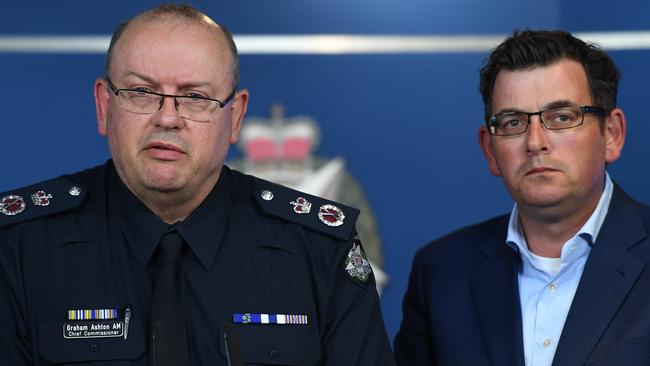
(172, 13)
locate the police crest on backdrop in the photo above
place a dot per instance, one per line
(281, 150)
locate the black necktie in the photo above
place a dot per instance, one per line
(169, 342)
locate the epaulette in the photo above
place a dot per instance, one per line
(314, 212)
(39, 200)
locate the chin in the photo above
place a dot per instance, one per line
(164, 183)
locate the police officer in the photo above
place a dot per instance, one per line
(163, 255)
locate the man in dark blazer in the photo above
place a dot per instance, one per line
(563, 279)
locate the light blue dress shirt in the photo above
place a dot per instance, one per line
(547, 285)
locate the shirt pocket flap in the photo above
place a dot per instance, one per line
(55, 348)
(277, 344)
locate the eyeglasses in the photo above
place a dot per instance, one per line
(192, 106)
(562, 118)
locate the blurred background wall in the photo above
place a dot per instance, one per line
(404, 121)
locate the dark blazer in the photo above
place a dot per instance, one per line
(462, 303)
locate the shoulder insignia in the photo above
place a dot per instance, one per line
(313, 212)
(39, 200)
(357, 266)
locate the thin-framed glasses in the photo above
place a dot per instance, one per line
(561, 118)
(193, 106)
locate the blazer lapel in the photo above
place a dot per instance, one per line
(608, 276)
(496, 299)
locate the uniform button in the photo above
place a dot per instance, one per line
(552, 287)
(546, 343)
(274, 354)
(93, 347)
(267, 195)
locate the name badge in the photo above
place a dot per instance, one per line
(93, 329)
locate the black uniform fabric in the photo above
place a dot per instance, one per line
(238, 258)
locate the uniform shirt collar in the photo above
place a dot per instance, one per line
(589, 231)
(202, 230)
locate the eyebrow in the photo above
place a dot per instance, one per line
(554, 104)
(153, 82)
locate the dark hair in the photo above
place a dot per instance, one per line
(529, 49)
(181, 11)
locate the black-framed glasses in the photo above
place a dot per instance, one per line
(561, 118)
(193, 106)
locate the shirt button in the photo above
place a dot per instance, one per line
(546, 343)
(552, 287)
(573, 247)
(274, 354)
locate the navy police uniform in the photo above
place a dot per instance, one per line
(259, 266)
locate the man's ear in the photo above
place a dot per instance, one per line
(615, 129)
(101, 105)
(239, 105)
(485, 141)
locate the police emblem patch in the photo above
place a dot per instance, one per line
(12, 205)
(357, 264)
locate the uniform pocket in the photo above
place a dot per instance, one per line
(276, 344)
(57, 349)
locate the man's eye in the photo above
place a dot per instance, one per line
(511, 122)
(195, 96)
(142, 90)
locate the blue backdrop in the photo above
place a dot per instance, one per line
(405, 123)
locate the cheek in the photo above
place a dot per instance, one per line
(507, 160)
(213, 143)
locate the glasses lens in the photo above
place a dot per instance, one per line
(197, 109)
(506, 124)
(561, 118)
(139, 102)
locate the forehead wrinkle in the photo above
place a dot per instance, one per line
(131, 61)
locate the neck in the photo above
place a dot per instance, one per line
(546, 233)
(175, 205)
(171, 207)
